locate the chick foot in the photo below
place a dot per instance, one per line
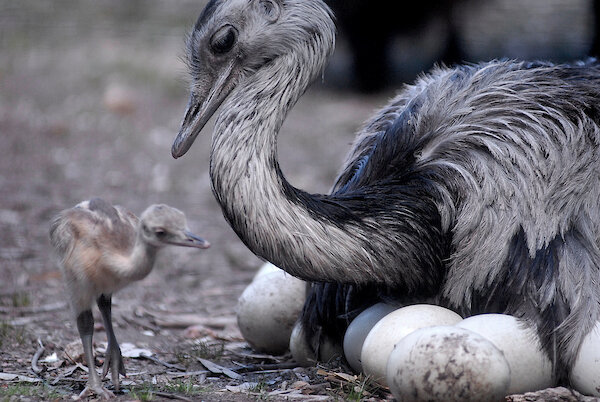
(113, 361)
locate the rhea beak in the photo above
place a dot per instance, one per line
(208, 94)
(188, 239)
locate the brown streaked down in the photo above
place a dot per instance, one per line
(103, 248)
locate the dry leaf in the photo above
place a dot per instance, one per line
(18, 378)
(217, 369)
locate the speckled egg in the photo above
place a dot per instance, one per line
(447, 363)
(380, 341)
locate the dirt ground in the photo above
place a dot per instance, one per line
(91, 96)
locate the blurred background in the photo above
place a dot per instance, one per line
(393, 41)
(92, 93)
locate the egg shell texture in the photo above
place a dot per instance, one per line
(358, 330)
(585, 374)
(447, 363)
(266, 268)
(388, 331)
(531, 369)
(268, 309)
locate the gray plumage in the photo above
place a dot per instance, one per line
(102, 249)
(477, 187)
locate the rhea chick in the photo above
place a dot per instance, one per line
(101, 249)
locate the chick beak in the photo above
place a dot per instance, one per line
(188, 239)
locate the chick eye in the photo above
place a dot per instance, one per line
(223, 40)
(160, 233)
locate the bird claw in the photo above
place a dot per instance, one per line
(95, 390)
(114, 362)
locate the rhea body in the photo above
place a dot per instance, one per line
(476, 188)
(101, 249)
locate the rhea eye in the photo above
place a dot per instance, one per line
(160, 233)
(223, 40)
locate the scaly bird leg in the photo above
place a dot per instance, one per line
(113, 358)
(85, 326)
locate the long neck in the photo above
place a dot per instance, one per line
(314, 237)
(140, 261)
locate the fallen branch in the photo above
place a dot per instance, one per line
(188, 373)
(255, 356)
(311, 398)
(266, 367)
(185, 320)
(34, 361)
(171, 396)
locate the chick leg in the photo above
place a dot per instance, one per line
(85, 326)
(113, 359)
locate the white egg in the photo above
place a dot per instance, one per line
(585, 374)
(266, 268)
(358, 330)
(447, 363)
(303, 353)
(380, 341)
(268, 309)
(531, 369)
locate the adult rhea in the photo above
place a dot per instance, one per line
(476, 188)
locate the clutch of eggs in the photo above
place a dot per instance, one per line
(529, 368)
(377, 342)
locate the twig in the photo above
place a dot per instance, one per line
(184, 320)
(187, 373)
(168, 365)
(171, 396)
(34, 361)
(311, 398)
(81, 366)
(65, 374)
(255, 356)
(266, 367)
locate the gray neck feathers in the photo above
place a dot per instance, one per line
(257, 200)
